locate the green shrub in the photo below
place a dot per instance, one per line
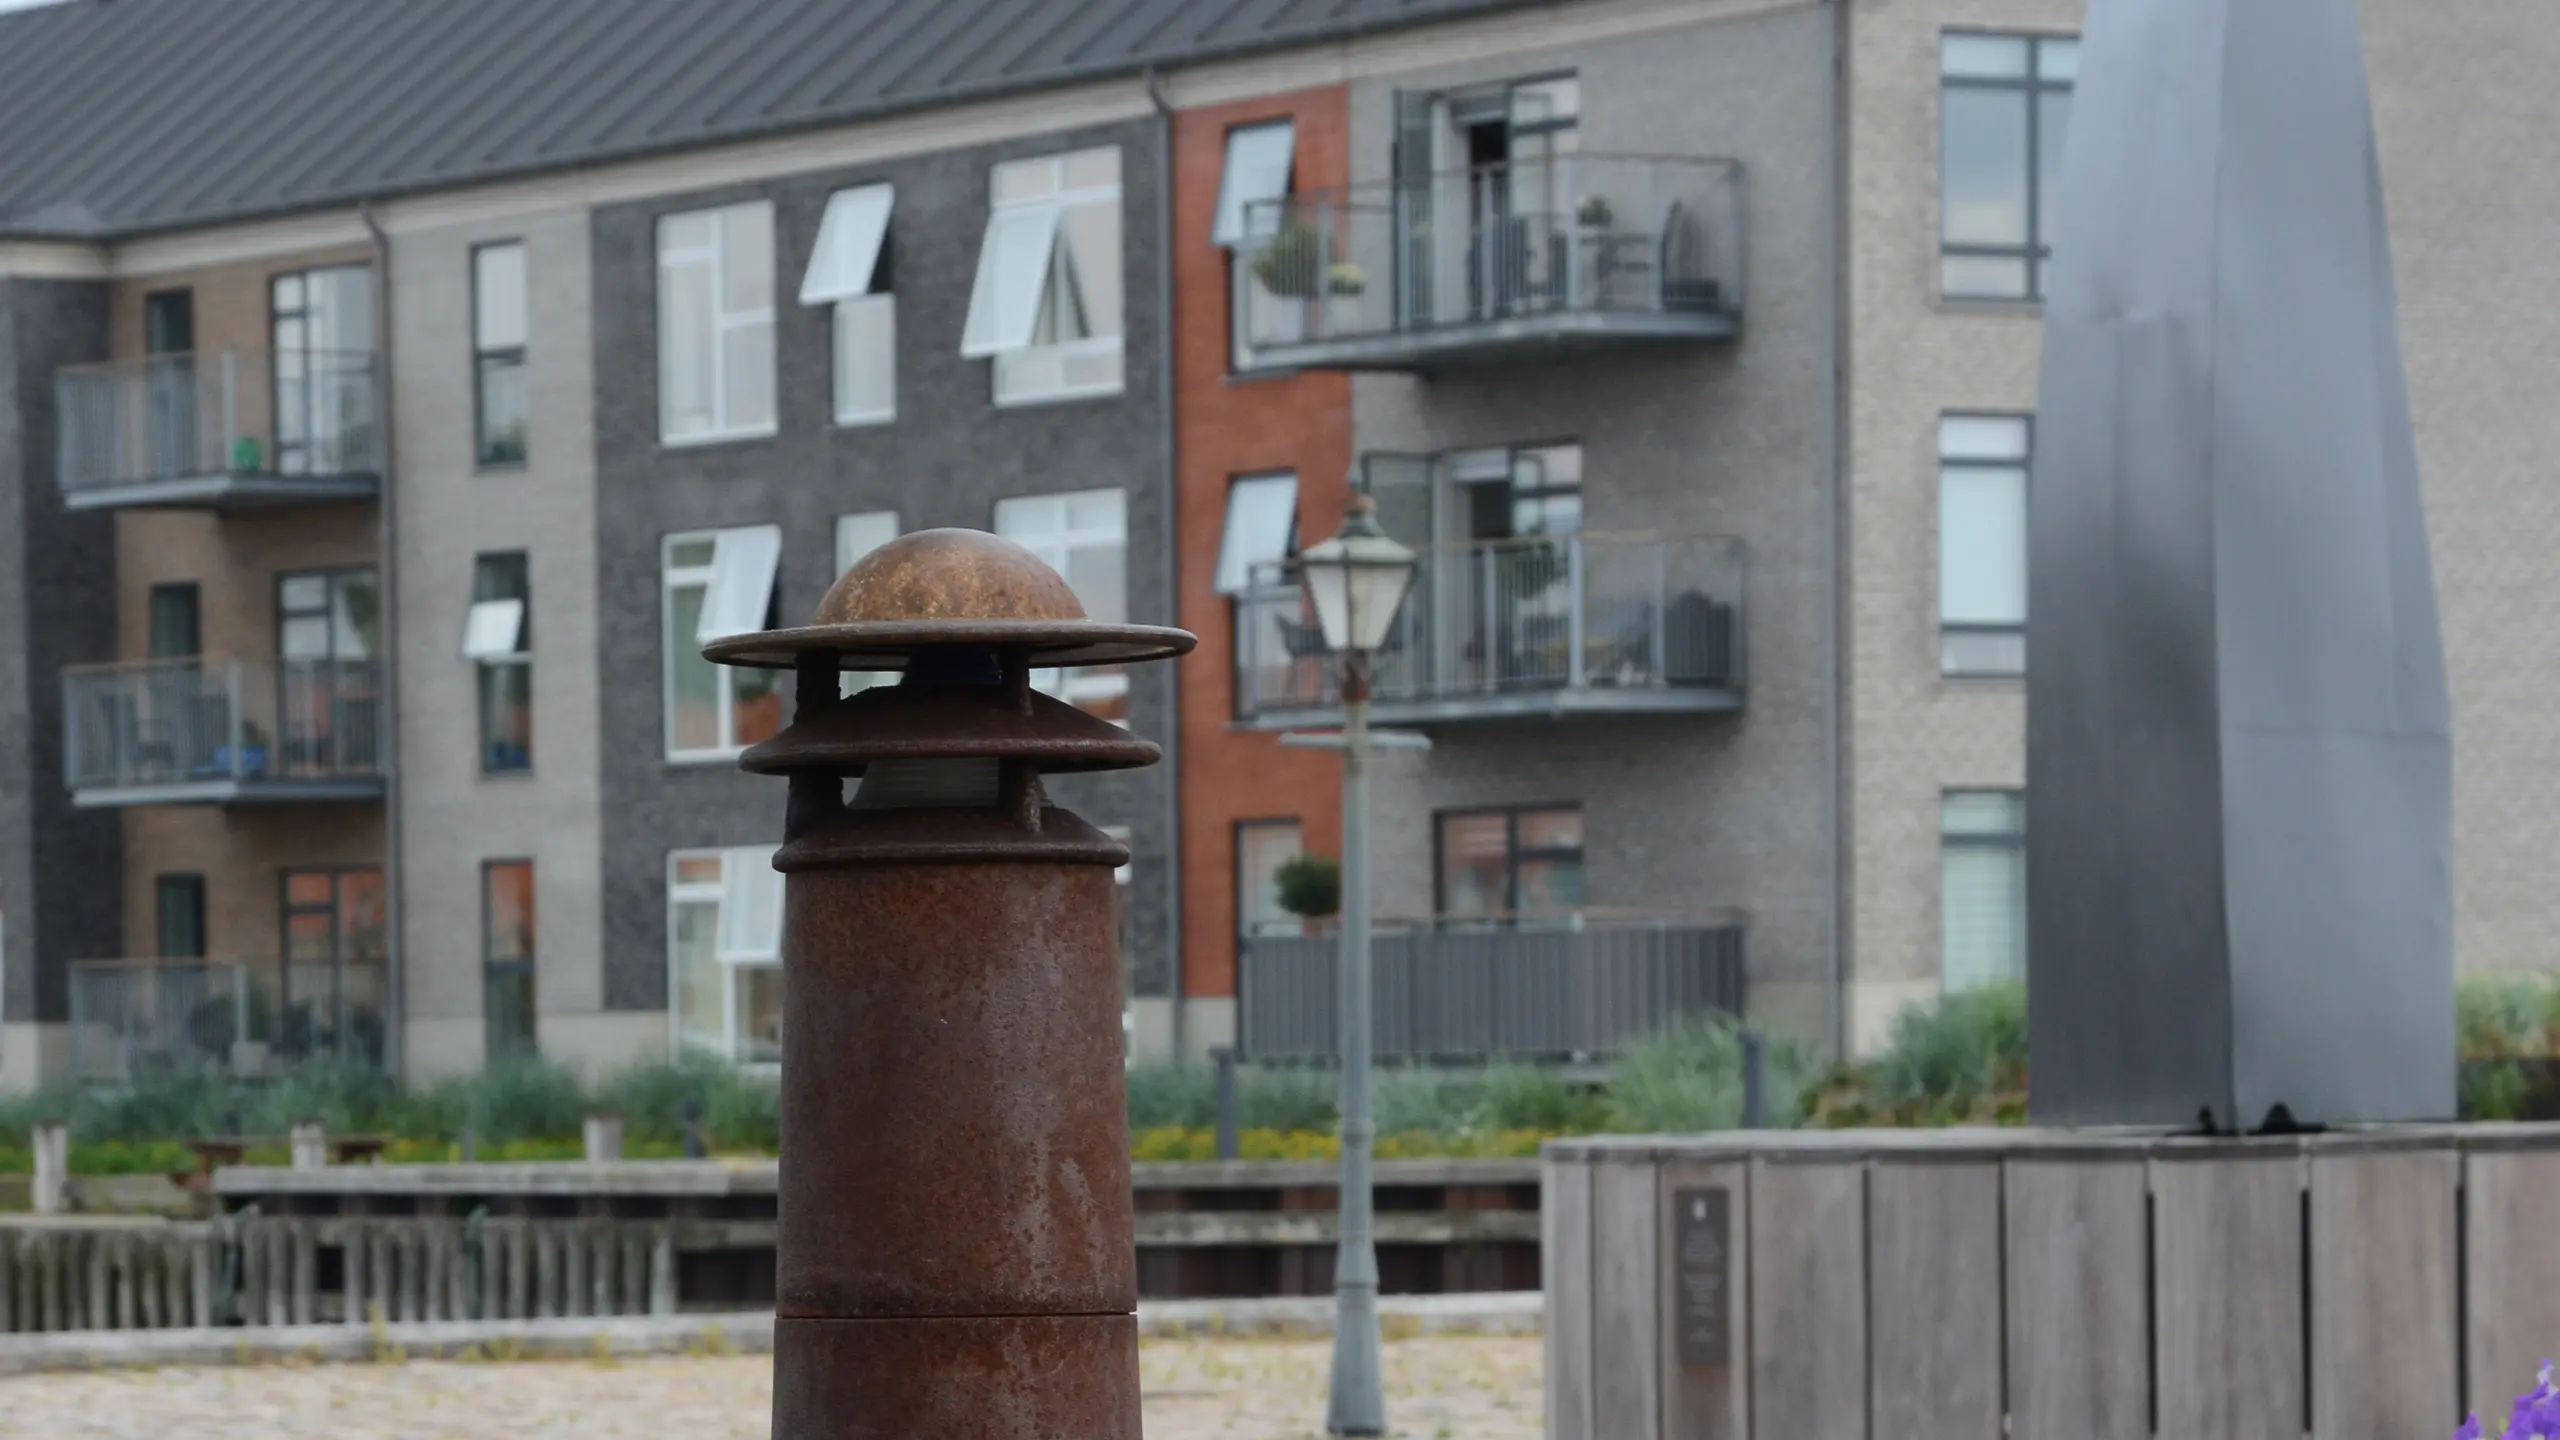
(1689, 1078)
(1956, 1049)
(1310, 886)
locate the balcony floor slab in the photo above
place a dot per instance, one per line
(1554, 704)
(223, 491)
(227, 791)
(1511, 339)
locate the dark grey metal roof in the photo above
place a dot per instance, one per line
(122, 117)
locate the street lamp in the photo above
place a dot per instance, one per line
(1356, 581)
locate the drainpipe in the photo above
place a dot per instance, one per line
(395, 960)
(1836, 570)
(1172, 550)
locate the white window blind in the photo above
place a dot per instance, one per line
(1982, 889)
(743, 563)
(493, 629)
(1257, 170)
(1262, 521)
(750, 906)
(847, 254)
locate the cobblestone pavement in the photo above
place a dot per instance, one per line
(1451, 1388)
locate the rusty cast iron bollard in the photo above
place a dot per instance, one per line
(956, 1254)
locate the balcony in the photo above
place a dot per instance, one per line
(1545, 626)
(1520, 261)
(246, 1018)
(178, 732)
(1568, 990)
(228, 431)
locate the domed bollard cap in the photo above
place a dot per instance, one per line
(950, 757)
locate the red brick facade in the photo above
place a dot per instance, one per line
(1225, 427)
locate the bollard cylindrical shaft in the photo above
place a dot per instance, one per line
(52, 1191)
(955, 1252)
(310, 1140)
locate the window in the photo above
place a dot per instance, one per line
(857, 536)
(724, 943)
(1982, 894)
(1257, 172)
(1262, 531)
(715, 324)
(849, 270)
(718, 583)
(1047, 302)
(506, 956)
(497, 351)
(328, 633)
(181, 915)
(336, 938)
(1506, 864)
(2004, 105)
(1982, 544)
(1262, 847)
(175, 633)
(323, 374)
(498, 637)
(1083, 536)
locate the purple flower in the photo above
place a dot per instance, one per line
(2470, 1428)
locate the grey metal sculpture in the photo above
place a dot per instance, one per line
(2239, 743)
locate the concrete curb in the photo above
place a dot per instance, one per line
(735, 1333)
(732, 1333)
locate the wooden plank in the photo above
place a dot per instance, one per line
(1626, 1343)
(2383, 1257)
(2513, 1319)
(2227, 1250)
(1808, 1262)
(2078, 1238)
(1703, 1291)
(1566, 1252)
(1212, 1227)
(1934, 1301)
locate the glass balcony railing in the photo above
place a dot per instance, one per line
(249, 1018)
(1563, 989)
(219, 430)
(180, 731)
(1542, 625)
(1495, 262)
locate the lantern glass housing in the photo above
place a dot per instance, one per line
(1357, 581)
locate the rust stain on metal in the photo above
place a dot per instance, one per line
(956, 1253)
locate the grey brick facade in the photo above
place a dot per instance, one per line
(945, 461)
(59, 897)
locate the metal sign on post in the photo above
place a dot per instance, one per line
(956, 1252)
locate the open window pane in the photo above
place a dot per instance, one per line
(1262, 525)
(1013, 275)
(750, 907)
(848, 249)
(1089, 242)
(743, 562)
(1258, 161)
(492, 630)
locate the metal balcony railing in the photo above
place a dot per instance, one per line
(218, 430)
(1536, 625)
(174, 731)
(1558, 989)
(248, 1018)
(1494, 261)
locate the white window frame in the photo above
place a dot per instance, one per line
(714, 894)
(855, 234)
(1084, 684)
(1239, 559)
(724, 322)
(851, 546)
(1981, 445)
(1023, 362)
(672, 578)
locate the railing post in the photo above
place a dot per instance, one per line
(52, 1190)
(1488, 643)
(1578, 611)
(1661, 617)
(1224, 1057)
(234, 737)
(230, 411)
(310, 1141)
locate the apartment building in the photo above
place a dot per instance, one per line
(372, 469)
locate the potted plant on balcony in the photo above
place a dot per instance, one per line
(1310, 888)
(1344, 284)
(1285, 264)
(1595, 213)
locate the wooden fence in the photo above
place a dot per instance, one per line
(301, 1270)
(1965, 1285)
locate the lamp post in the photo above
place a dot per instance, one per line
(1356, 581)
